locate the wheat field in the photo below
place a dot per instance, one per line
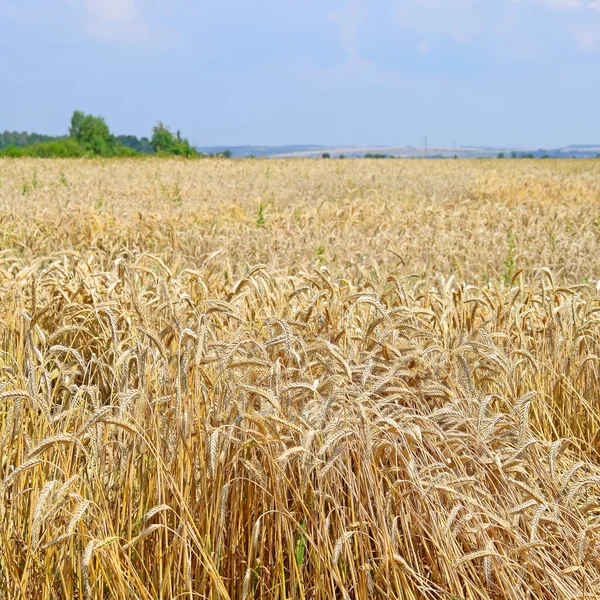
(301, 379)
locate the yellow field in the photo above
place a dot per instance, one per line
(300, 379)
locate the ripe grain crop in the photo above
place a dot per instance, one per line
(299, 379)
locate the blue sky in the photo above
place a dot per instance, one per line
(360, 72)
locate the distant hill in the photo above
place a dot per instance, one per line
(315, 151)
(261, 151)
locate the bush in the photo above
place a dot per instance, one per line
(124, 151)
(12, 152)
(64, 148)
(61, 148)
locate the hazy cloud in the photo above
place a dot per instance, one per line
(564, 4)
(452, 19)
(588, 39)
(424, 48)
(113, 11)
(116, 20)
(348, 22)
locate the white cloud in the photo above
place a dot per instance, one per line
(132, 22)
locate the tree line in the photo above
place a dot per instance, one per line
(90, 135)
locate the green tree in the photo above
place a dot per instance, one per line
(162, 139)
(19, 140)
(92, 133)
(141, 145)
(164, 142)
